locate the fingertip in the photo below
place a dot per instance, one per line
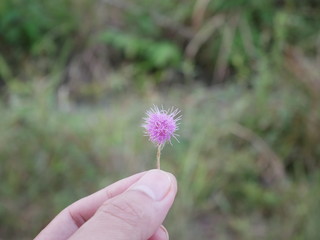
(158, 184)
(160, 234)
(173, 179)
(163, 233)
(157, 171)
(174, 184)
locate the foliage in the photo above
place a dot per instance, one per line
(148, 53)
(35, 25)
(79, 75)
(51, 157)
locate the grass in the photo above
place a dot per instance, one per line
(51, 156)
(244, 73)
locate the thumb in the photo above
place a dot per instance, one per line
(135, 214)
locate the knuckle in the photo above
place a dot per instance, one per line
(127, 212)
(109, 194)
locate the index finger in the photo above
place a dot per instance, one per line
(71, 218)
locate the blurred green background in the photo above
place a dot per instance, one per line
(76, 77)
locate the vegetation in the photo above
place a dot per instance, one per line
(77, 76)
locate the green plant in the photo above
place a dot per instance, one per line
(35, 25)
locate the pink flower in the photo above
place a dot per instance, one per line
(160, 125)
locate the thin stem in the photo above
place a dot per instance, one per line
(158, 156)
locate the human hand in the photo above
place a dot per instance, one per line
(130, 209)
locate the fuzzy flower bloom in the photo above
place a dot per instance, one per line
(160, 125)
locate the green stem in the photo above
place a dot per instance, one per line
(158, 156)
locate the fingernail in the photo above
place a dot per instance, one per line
(163, 233)
(155, 184)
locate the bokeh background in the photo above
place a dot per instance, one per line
(76, 77)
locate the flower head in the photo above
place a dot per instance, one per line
(160, 125)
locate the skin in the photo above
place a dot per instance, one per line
(133, 208)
